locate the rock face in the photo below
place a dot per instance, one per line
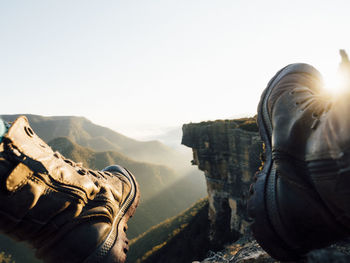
(247, 250)
(228, 152)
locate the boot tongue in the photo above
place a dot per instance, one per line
(27, 146)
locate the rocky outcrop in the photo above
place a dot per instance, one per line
(247, 250)
(228, 152)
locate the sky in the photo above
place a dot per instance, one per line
(142, 66)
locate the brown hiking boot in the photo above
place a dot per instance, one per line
(66, 212)
(301, 199)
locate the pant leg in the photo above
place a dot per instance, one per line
(3, 128)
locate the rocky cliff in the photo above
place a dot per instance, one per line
(228, 152)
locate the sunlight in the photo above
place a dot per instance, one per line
(336, 83)
(339, 82)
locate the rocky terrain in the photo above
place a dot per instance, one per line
(247, 250)
(228, 152)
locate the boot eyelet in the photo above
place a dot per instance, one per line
(94, 174)
(82, 172)
(108, 173)
(70, 162)
(101, 174)
(29, 131)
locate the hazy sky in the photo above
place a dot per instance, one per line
(138, 66)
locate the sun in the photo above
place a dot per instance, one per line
(337, 83)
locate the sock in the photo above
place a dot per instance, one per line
(3, 128)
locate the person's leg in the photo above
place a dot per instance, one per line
(304, 136)
(66, 212)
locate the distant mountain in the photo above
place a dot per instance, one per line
(182, 238)
(170, 136)
(169, 202)
(85, 133)
(164, 193)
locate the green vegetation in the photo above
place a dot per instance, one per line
(247, 124)
(178, 239)
(13, 251)
(167, 203)
(5, 258)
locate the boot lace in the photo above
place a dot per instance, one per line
(320, 104)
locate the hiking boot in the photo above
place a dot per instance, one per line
(66, 212)
(301, 198)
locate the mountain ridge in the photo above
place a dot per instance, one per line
(173, 239)
(88, 134)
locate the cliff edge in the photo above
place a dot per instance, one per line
(228, 151)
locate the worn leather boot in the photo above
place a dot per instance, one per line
(66, 212)
(301, 198)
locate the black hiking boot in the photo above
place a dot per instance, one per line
(301, 198)
(66, 212)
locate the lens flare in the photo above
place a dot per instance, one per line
(338, 83)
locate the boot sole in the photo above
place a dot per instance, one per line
(115, 246)
(262, 205)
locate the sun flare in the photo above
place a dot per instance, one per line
(337, 83)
